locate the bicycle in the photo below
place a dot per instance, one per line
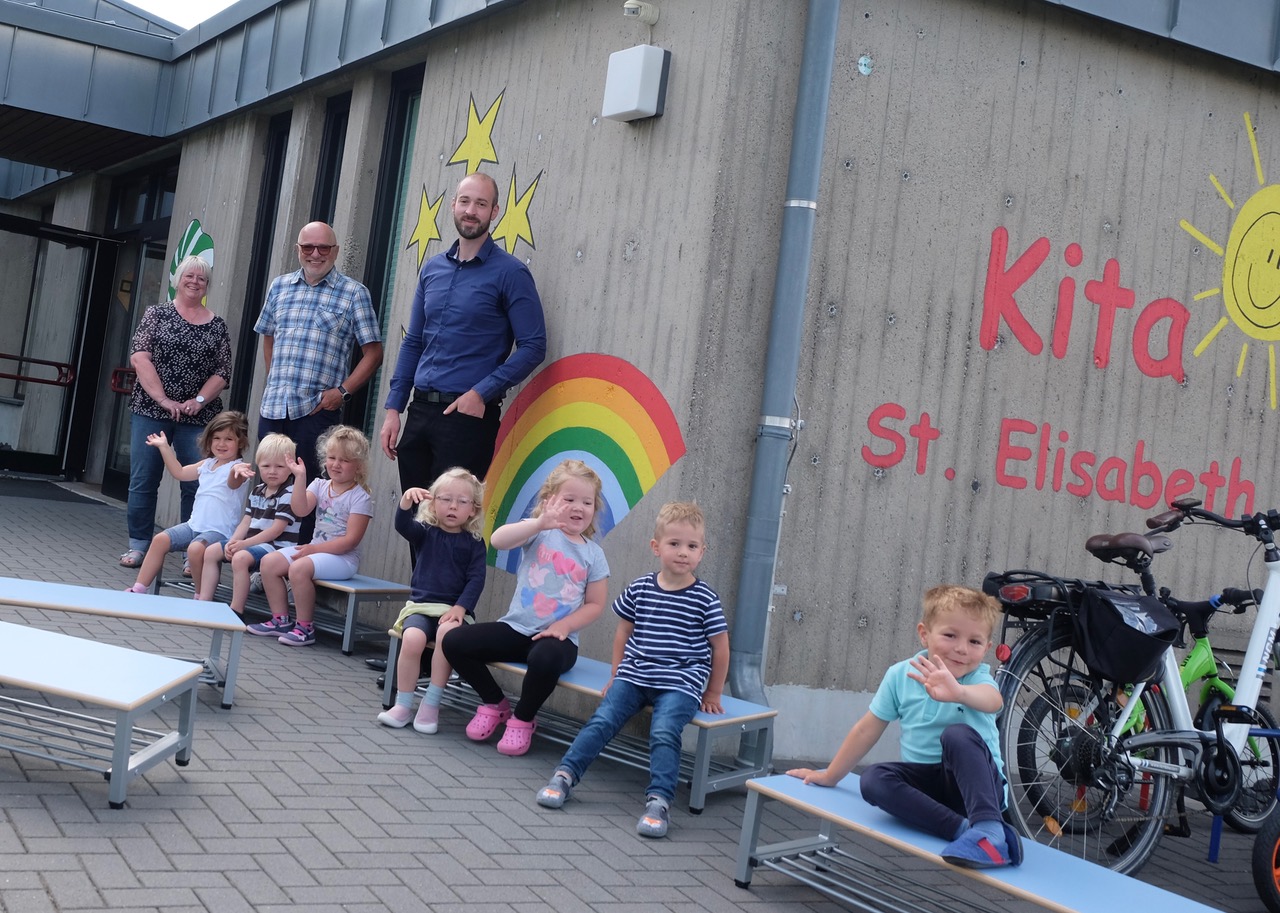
(1095, 766)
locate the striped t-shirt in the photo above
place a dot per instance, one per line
(669, 647)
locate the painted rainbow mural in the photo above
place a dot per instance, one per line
(591, 407)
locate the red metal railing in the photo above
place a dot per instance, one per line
(63, 373)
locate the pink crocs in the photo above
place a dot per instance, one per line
(517, 738)
(487, 720)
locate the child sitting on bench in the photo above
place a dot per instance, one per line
(670, 651)
(448, 578)
(950, 781)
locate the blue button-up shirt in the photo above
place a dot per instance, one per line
(313, 328)
(465, 318)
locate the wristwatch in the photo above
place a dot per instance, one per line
(200, 399)
(346, 394)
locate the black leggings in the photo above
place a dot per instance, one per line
(469, 648)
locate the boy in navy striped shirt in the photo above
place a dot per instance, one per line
(670, 651)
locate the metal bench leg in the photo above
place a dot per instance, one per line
(389, 676)
(121, 754)
(349, 626)
(701, 768)
(233, 665)
(750, 837)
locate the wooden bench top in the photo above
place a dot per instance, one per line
(1047, 877)
(66, 597)
(86, 670)
(588, 676)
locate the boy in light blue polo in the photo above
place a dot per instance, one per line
(671, 651)
(950, 781)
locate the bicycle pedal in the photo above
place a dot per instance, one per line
(1235, 713)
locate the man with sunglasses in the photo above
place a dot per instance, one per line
(309, 323)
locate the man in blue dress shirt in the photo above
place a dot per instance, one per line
(476, 329)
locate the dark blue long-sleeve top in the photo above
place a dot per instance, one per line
(450, 566)
(465, 317)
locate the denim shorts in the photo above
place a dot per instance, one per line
(258, 552)
(183, 535)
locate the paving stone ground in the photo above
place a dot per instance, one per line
(296, 799)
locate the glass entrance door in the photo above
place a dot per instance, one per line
(52, 306)
(141, 274)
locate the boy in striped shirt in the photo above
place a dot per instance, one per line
(671, 652)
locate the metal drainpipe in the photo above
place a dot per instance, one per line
(768, 477)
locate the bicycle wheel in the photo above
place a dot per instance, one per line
(1065, 789)
(1260, 763)
(1266, 861)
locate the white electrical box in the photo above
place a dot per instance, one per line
(636, 84)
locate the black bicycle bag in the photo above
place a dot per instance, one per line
(1122, 637)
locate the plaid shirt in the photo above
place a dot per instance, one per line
(313, 328)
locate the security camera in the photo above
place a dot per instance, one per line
(642, 12)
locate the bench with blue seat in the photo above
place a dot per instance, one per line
(344, 623)
(704, 772)
(1047, 877)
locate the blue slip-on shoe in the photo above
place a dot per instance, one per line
(1013, 840)
(972, 850)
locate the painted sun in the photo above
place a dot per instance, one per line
(1250, 286)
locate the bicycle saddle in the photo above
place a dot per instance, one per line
(1126, 547)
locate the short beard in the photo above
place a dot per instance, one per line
(469, 233)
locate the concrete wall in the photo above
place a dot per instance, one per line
(1000, 169)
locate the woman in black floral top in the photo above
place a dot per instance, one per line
(182, 355)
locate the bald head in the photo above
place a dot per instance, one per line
(317, 251)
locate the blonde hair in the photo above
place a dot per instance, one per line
(679, 512)
(566, 470)
(225, 421)
(193, 262)
(949, 597)
(352, 445)
(276, 446)
(427, 511)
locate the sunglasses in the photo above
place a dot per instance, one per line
(321, 249)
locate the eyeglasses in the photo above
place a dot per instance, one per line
(451, 501)
(321, 249)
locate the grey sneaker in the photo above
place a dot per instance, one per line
(555, 792)
(653, 823)
(255, 582)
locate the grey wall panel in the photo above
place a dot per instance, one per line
(124, 90)
(327, 24)
(46, 72)
(288, 46)
(1243, 29)
(224, 94)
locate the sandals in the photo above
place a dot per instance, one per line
(517, 738)
(132, 558)
(487, 720)
(186, 567)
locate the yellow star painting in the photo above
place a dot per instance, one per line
(426, 230)
(514, 224)
(477, 146)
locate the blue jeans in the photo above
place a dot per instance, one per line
(146, 468)
(672, 710)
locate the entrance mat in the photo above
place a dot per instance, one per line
(39, 489)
